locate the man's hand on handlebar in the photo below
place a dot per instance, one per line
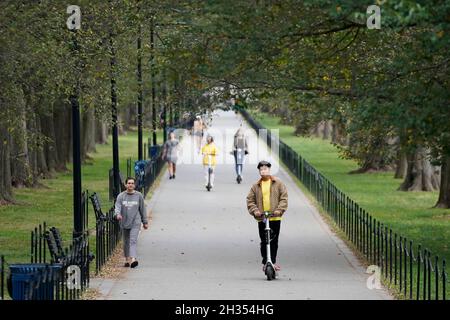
(257, 214)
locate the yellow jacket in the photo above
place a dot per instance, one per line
(278, 199)
(209, 149)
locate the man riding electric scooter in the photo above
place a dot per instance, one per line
(266, 202)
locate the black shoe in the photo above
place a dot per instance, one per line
(134, 264)
(126, 265)
(170, 177)
(173, 177)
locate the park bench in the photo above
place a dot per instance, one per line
(55, 245)
(99, 215)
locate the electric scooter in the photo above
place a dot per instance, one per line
(269, 268)
(210, 171)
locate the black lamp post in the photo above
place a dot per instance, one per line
(115, 131)
(139, 75)
(76, 134)
(153, 75)
(164, 105)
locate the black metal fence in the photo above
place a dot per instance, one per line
(107, 233)
(59, 270)
(64, 277)
(152, 169)
(3, 276)
(412, 270)
(148, 169)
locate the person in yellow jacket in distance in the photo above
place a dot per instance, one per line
(209, 149)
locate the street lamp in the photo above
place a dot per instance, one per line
(73, 24)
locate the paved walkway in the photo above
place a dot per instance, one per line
(204, 245)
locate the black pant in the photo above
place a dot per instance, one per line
(274, 234)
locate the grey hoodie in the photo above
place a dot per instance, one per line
(240, 140)
(131, 207)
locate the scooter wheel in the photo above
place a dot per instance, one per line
(270, 273)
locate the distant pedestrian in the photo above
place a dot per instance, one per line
(198, 130)
(130, 211)
(170, 154)
(240, 149)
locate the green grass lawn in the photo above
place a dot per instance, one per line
(53, 203)
(409, 214)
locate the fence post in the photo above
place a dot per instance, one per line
(444, 280)
(436, 277)
(2, 277)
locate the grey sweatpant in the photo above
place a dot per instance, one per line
(130, 237)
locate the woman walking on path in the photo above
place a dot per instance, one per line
(130, 211)
(198, 131)
(170, 154)
(240, 149)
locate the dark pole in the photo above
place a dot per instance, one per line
(176, 101)
(164, 100)
(171, 105)
(152, 74)
(171, 114)
(139, 74)
(115, 131)
(77, 214)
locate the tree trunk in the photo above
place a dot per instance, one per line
(88, 132)
(101, 132)
(20, 161)
(401, 165)
(63, 132)
(444, 191)
(126, 118)
(376, 157)
(31, 127)
(420, 175)
(317, 131)
(284, 114)
(41, 162)
(336, 133)
(38, 165)
(50, 148)
(372, 164)
(6, 193)
(120, 125)
(327, 128)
